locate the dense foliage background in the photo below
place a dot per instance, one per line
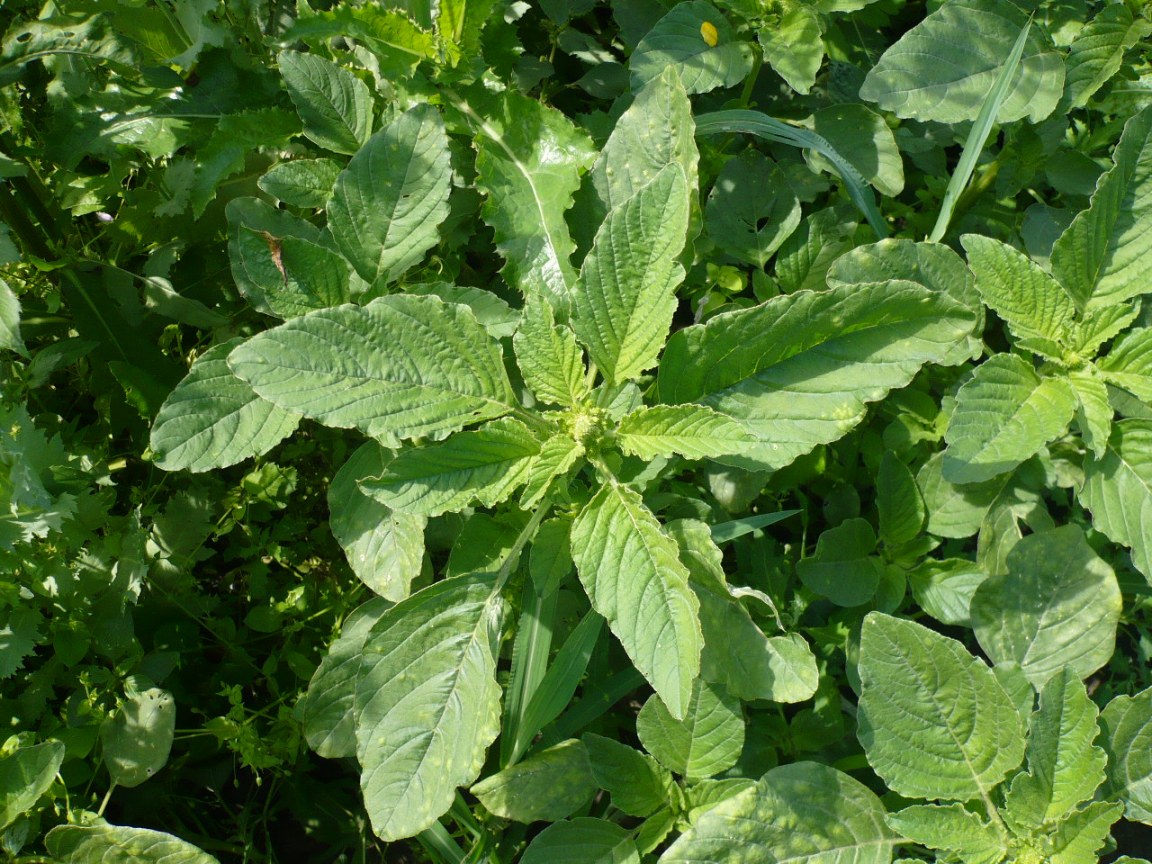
(866, 404)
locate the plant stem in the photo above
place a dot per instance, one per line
(526, 534)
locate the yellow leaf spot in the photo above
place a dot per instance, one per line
(709, 34)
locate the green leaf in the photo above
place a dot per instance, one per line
(678, 40)
(751, 227)
(334, 105)
(956, 510)
(79, 36)
(799, 812)
(112, 844)
(556, 458)
(484, 465)
(389, 201)
(582, 841)
(307, 276)
(256, 230)
(547, 786)
(1004, 414)
(944, 589)
(10, 320)
(529, 160)
(943, 67)
(396, 42)
(898, 502)
(634, 578)
(952, 829)
(692, 431)
(137, 739)
(25, 775)
(1064, 766)
(843, 568)
(1129, 364)
(794, 46)
(1100, 257)
(639, 786)
(705, 742)
(428, 703)
(933, 720)
(1093, 410)
(1126, 727)
(863, 138)
(301, 182)
(799, 370)
(548, 356)
(384, 548)
(1118, 490)
(400, 367)
(1032, 303)
(327, 710)
(1079, 838)
(626, 294)
(1097, 52)
(212, 419)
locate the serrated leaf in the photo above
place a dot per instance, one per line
(528, 163)
(794, 46)
(799, 812)
(1126, 727)
(25, 775)
(547, 786)
(137, 739)
(843, 567)
(1128, 364)
(799, 370)
(1064, 766)
(1118, 490)
(212, 419)
(639, 786)
(634, 578)
(485, 465)
(934, 721)
(953, 829)
(384, 548)
(334, 105)
(943, 67)
(692, 431)
(1004, 414)
(1098, 50)
(1093, 410)
(705, 742)
(549, 358)
(301, 182)
(626, 294)
(677, 40)
(751, 227)
(400, 367)
(428, 703)
(582, 841)
(397, 43)
(898, 502)
(1079, 837)
(556, 458)
(1100, 258)
(864, 139)
(113, 844)
(388, 202)
(1031, 302)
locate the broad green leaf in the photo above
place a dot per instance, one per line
(956, 510)
(943, 67)
(87, 37)
(301, 182)
(327, 710)
(493, 313)
(1004, 414)
(805, 257)
(626, 294)
(692, 431)
(634, 578)
(703, 796)
(1100, 257)
(1126, 727)
(805, 811)
(400, 367)
(799, 370)
(25, 775)
(794, 46)
(137, 739)
(751, 227)
(390, 199)
(582, 841)
(335, 105)
(485, 465)
(1031, 302)
(1079, 838)
(1093, 410)
(863, 138)
(1097, 52)
(843, 567)
(529, 161)
(944, 589)
(556, 458)
(396, 42)
(952, 829)
(1129, 364)
(708, 739)
(548, 356)
(428, 703)
(680, 39)
(384, 548)
(10, 320)
(304, 275)
(113, 844)
(898, 502)
(638, 784)
(934, 721)
(212, 419)
(547, 786)
(1102, 324)
(550, 561)
(256, 231)
(1118, 490)
(1064, 766)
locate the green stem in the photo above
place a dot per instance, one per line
(526, 534)
(750, 81)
